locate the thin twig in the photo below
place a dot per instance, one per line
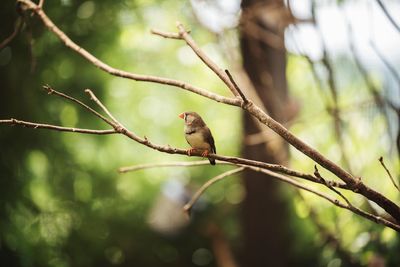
(211, 64)
(278, 168)
(96, 100)
(184, 35)
(51, 91)
(245, 100)
(389, 174)
(318, 175)
(169, 164)
(336, 202)
(209, 183)
(169, 35)
(54, 127)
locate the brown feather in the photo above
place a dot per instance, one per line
(197, 134)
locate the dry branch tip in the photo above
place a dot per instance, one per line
(388, 173)
(90, 93)
(48, 89)
(169, 35)
(244, 98)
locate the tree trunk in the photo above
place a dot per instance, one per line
(264, 210)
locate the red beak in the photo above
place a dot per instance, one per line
(182, 115)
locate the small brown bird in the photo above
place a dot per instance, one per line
(198, 135)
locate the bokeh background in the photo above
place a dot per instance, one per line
(63, 203)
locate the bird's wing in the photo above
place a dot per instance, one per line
(210, 140)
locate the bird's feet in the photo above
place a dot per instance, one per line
(190, 151)
(205, 153)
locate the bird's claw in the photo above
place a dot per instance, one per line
(190, 151)
(205, 154)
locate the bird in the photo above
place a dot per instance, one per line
(198, 135)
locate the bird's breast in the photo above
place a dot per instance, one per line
(196, 140)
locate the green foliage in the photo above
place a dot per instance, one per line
(366, 139)
(63, 202)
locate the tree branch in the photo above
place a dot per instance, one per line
(169, 164)
(168, 35)
(184, 35)
(240, 92)
(211, 64)
(97, 101)
(54, 127)
(336, 202)
(120, 73)
(318, 175)
(51, 91)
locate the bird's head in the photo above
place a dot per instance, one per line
(192, 118)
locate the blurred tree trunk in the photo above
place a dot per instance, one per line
(264, 210)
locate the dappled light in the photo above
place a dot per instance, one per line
(199, 133)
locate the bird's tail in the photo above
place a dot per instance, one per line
(212, 161)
